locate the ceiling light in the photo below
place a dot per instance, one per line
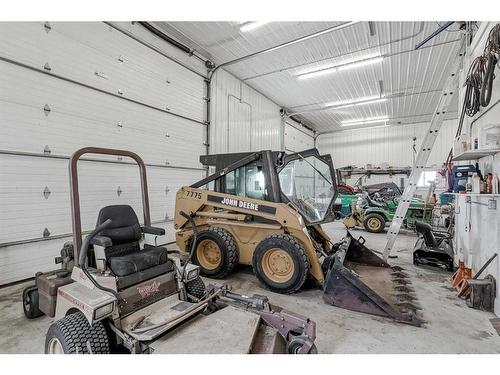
(345, 66)
(362, 101)
(252, 25)
(360, 63)
(365, 121)
(368, 127)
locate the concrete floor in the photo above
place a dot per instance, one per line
(451, 326)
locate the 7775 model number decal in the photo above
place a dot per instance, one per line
(193, 194)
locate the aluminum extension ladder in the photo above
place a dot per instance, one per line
(450, 88)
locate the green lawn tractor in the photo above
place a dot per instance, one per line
(373, 213)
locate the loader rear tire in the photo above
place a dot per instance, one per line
(374, 223)
(216, 252)
(281, 263)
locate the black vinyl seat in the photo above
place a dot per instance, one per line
(121, 242)
(137, 261)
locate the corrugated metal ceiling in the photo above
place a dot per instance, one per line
(410, 80)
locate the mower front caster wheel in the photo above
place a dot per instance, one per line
(297, 343)
(281, 263)
(74, 335)
(30, 303)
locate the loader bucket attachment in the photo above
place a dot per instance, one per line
(358, 279)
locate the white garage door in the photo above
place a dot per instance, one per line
(297, 138)
(68, 85)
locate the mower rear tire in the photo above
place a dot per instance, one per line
(281, 263)
(30, 303)
(374, 223)
(195, 288)
(216, 252)
(296, 344)
(74, 335)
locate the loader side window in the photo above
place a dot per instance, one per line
(248, 181)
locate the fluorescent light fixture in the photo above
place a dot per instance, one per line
(252, 25)
(360, 63)
(345, 66)
(361, 101)
(365, 121)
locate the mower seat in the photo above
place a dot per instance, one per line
(374, 203)
(121, 246)
(137, 261)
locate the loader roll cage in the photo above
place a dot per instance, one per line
(275, 176)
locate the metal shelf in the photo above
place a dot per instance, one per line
(474, 154)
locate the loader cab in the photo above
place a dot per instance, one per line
(306, 179)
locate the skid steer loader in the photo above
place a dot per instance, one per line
(265, 209)
(118, 291)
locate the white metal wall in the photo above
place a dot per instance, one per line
(477, 232)
(391, 145)
(68, 85)
(242, 119)
(233, 100)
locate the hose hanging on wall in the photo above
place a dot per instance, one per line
(479, 81)
(491, 51)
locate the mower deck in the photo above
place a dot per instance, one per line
(203, 334)
(156, 313)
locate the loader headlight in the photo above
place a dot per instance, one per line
(103, 311)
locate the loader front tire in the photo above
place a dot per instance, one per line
(374, 223)
(281, 263)
(216, 252)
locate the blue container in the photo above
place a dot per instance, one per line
(446, 198)
(460, 175)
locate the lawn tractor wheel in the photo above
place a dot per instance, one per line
(296, 343)
(216, 252)
(195, 288)
(281, 263)
(374, 223)
(30, 303)
(74, 335)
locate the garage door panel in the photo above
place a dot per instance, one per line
(81, 117)
(26, 212)
(164, 84)
(39, 256)
(34, 189)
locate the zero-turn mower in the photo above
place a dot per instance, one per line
(265, 209)
(120, 292)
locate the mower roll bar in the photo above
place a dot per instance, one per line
(75, 194)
